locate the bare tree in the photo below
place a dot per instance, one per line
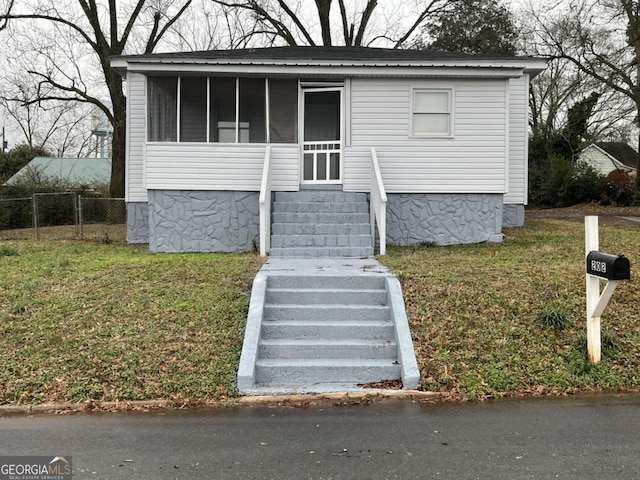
(61, 128)
(299, 22)
(561, 85)
(100, 29)
(601, 38)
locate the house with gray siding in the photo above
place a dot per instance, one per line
(226, 149)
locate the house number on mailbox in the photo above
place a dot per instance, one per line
(598, 266)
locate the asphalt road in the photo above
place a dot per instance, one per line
(569, 438)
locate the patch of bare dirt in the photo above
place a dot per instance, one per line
(607, 213)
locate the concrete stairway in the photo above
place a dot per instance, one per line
(316, 223)
(325, 333)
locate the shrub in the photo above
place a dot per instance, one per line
(583, 185)
(554, 316)
(618, 189)
(547, 180)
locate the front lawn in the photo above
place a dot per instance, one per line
(474, 313)
(82, 320)
(91, 321)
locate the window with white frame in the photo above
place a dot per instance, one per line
(431, 115)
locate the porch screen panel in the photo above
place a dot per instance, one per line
(162, 109)
(222, 110)
(253, 118)
(283, 110)
(193, 109)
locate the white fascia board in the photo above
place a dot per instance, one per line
(334, 71)
(120, 65)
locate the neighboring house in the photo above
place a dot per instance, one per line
(606, 157)
(89, 172)
(449, 131)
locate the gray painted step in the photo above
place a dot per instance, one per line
(319, 330)
(326, 296)
(308, 252)
(327, 330)
(328, 349)
(320, 229)
(320, 196)
(327, 313)
(300, 371)
(321, 241)
(321, 207)
(321, 281)
(310, 217)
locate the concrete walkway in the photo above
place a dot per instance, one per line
(631, 219)
(324, 266)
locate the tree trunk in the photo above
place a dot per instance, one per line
(116, 188)
(638, 163)
(119, 101)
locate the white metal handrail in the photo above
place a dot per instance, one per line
(378, 204)
(265, 204)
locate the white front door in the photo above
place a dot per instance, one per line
(322, 138)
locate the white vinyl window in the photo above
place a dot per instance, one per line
(431, 115)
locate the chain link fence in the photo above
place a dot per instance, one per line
(16, 218)
(102, 219)
(63, 216)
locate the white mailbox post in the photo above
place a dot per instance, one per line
(599, 266)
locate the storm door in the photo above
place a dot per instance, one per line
(322, 142)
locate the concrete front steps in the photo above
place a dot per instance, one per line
(316, 223)
(319, 333)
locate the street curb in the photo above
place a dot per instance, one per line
(302, 400)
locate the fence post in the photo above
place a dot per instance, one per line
(35, 216)
(80, 219)
(74, 200)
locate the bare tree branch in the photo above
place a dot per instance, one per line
(87, 38)
(155, 37)
(433, 7)
(364, 22)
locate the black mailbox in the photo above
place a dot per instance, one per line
(606, 265)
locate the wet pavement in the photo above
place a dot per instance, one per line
(595, 437)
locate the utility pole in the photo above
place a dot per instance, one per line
(4, 142)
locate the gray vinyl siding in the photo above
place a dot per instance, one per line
(215, 166)
(518, 138)
(136, 138)
(471, 161)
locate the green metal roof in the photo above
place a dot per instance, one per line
(84, 171)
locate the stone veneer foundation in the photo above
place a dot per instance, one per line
(443, 219)
(227, 221)
(513, 215)
(137, 222)
(201, 221)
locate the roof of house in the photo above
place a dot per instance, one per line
(353, 58)
(325, 53)
(84, 171)
(621, 151)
